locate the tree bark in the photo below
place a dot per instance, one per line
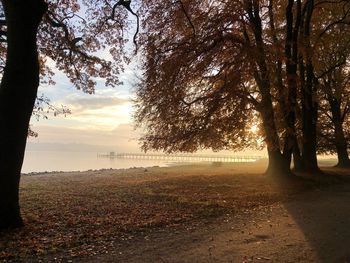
(340, 141)
(291, 54)
(18, 90)
(309, 124)
(277, 164)
(308, 94)
(297, 161)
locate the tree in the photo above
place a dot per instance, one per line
(262, 53)
(60, 32)
(19, 83)
(330, 63)
(333, 77)
(202, 111)
(334, 108)
(218, 52)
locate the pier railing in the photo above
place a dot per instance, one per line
(182, 157)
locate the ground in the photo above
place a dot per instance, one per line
(198, 213)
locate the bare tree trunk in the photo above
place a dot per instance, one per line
(18, 90)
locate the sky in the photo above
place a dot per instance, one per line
(100, 119)
(103, 118)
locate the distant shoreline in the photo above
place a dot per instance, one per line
(170, 165)
(322, 162)
(174, 164)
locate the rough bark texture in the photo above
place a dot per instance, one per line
(18, 92)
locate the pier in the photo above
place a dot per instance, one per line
(182, 157)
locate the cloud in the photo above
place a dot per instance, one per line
(95, 102)
(96, 118)
(121, 138)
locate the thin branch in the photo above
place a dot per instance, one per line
(330, 2)
(72, 43)
(188, 17)
(329, 70)
(337, 22)
(126, 4)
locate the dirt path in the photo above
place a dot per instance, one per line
(312, 228)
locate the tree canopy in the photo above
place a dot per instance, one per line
(83, 39)
(212, 65)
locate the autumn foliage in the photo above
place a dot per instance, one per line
(210, 66)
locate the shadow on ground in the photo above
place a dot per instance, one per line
(323, 216)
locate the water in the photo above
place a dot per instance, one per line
(48, 161)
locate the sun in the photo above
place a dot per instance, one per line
(254, 128)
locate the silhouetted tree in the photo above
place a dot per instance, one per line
(334, 109)
(66, 34)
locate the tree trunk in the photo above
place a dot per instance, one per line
(309, 157)
(308, 94)
(297, 161)
(291, 52)
(278, 165)
(18, 90)
(291, 57)
(309, 123)
(340, 141)
(343, 157)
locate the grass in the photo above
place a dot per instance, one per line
(71, 215)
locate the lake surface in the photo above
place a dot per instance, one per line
(48, 161)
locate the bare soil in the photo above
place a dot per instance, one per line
(197, 213)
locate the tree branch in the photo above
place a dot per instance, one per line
(188, 17)
(126, 4)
